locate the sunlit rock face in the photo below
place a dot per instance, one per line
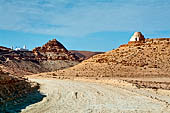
(54, 56)
(54, 50)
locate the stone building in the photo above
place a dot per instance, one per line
(137, 36)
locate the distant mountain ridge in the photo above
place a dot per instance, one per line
(84, 54)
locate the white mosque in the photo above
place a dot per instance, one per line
(137, 36)
(20, 49)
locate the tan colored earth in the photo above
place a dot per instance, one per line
(135, 59)
(97, 96)
(131, 78)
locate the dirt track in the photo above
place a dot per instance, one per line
(67, 96)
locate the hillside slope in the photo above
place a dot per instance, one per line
(85, 54)
(135, 59)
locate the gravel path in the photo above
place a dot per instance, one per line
(67, 96)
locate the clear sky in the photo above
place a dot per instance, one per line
(96, 25)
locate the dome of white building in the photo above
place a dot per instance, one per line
(137, 36)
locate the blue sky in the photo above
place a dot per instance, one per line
(96, 25)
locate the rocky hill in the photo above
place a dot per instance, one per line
(54, 50)
(53, 56)
(50, 57)
(150, 57)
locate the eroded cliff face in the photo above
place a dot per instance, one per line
(135, 59)
(12, 88)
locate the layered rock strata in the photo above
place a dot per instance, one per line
(13, 88)
(53, 56)
(54, 50)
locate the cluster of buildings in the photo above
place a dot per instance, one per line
(20, 49)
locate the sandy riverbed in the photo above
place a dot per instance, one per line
(89, 96)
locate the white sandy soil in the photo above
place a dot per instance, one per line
(80, 96)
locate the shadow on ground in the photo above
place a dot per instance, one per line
(21, 103)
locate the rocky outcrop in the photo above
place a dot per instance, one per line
(54, 50)
(12, 88)
(51, 46)
(54, 56)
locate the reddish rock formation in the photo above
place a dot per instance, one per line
(52, 46)
(53, 56)
(54, 50)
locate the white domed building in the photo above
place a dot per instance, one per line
(137, 36)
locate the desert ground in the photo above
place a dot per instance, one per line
(131, 78)
(97, 96)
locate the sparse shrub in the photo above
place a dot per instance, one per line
(54, 74)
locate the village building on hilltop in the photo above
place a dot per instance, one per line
(21, 49)
(137, 36)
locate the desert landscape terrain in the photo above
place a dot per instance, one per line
(84, 56)
(134, 78)
(98, 96)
